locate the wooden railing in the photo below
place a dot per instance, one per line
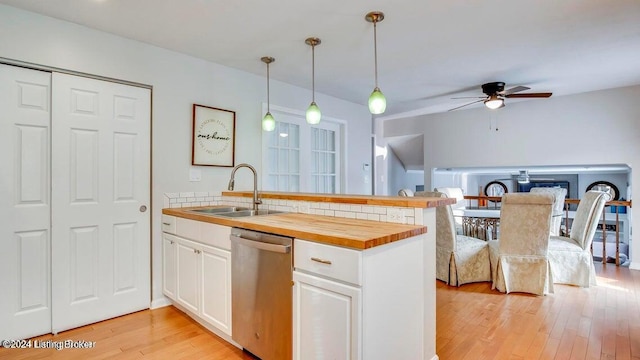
(483, 226)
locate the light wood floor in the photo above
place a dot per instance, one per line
(473, 322)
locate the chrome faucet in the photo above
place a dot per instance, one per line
(256, 200)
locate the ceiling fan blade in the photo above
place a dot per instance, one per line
(529, 95)
(471, 103)
(514, 90)
(470, 97)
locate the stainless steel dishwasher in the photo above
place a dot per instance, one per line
(261, 278)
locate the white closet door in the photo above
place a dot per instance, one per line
(25, 298)
(101, 181)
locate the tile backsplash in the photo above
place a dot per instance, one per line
(392, 214)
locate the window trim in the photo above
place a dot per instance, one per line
(300, 115)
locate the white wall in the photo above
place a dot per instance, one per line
(399, 178)
(178, 82)
(600, 127)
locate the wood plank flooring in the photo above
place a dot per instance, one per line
(473, 322)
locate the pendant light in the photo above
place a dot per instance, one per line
(377, 101)
(268, 122)
(313, 112)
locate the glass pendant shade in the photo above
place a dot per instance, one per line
(268, 122)
(313, 114)
(377, 102)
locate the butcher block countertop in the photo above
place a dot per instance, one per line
(400, 201)
(351, 233)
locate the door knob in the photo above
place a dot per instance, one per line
(143, 208)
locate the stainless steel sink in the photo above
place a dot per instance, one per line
(233, 211)
(219, 210)
(243, 213)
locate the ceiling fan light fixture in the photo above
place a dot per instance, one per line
(523, 177)
(313, 114)
(494, 102)
(268, 122)
(377, 101)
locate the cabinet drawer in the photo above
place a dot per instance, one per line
(169, 224)
(329, 261)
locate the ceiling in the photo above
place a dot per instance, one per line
(428, 51)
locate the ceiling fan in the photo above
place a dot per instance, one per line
(496, 94)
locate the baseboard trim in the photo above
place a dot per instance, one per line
(158, 303)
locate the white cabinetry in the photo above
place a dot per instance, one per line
(351, 304)
(187, 276)
(326, 318)
(169, 265)
(197, 270)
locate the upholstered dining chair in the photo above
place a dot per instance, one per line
(570, 257)
(558, 205)
(459, 259)
(405, 192)
(519, 261)
(457, 193)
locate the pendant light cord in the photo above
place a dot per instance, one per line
(313, 73)
(268, 100)
(375, 51)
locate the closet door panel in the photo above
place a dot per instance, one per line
(25, 304)
(101, 177)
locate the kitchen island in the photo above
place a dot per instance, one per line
(364, 269)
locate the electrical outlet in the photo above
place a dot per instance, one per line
(395, 215)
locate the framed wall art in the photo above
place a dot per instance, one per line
(214, 136)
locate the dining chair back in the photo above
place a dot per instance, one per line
(559, 195)
(519, 257)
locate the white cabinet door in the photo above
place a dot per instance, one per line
(215, 275)
(326, 319)
(187, 280)
(25, 303)
(169, 247)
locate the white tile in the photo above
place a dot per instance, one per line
(201, 194)
(409, 220)
(345, 207)
(172, 195)
(356, 208)
(383, 218)
(200, 198)
(186, 194)
(368, 209)
(362, 216)
(329, 213)
(325, 206)
(419, 216)
(181, 200)
(334, 207)
(175, 205)
(374, 217)
(350, 215)
(380, 210)
(191, 199)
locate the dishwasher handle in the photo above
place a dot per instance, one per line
(284, 249)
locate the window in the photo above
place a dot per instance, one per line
(301, 157)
